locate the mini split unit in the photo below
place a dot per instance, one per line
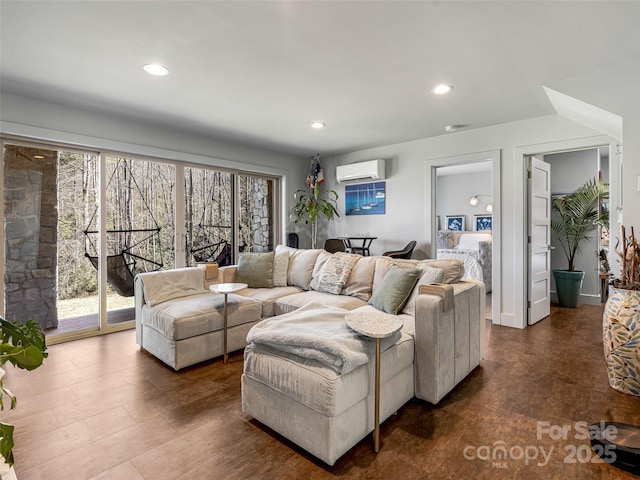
(370, 170)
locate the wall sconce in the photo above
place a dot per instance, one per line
(474, 200)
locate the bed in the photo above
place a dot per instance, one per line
(473, 248)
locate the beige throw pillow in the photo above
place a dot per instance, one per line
(280, 268)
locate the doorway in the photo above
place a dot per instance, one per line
(475, 219)
(568, 169)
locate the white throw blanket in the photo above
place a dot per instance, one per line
(320, 333)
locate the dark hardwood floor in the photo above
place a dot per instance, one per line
(101, 408)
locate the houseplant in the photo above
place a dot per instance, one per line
(576, 216)
(23, 345)
(312, 203)
(621, 320)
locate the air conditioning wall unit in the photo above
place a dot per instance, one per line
(369, 170)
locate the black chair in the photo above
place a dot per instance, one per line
(406, 252)
(333, 245)
(292, 240)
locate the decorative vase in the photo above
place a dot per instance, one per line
(568, 286)
(621, 339)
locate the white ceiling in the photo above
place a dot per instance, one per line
(260, 72)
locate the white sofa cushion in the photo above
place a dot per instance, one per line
(361, 279)
(453, 269)
(384, 264)
(301, 263)
(199, 314)
(268, 297)
(292, 302)
(166, 285)
(320, 387)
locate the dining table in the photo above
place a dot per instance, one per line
(357, 243)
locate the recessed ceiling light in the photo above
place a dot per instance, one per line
(38, 157)
(155, 69)
(318, 125)
(452, 128)
(442, 89)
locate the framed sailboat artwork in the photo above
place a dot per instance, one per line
(365, 199)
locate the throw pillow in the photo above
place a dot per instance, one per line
(256, 269)
(453, 269)
(395, 289)
(335, 272)
(280, 268)
(429, 275)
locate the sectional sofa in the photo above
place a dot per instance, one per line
(323, 407)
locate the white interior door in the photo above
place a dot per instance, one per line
(539, 238)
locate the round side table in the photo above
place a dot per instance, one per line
(226, 289)
(374, 325)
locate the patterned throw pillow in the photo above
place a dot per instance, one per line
(335, 272)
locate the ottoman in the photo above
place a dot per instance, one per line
(319, 409)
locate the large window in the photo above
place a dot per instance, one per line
(208, 216)
(79, 226)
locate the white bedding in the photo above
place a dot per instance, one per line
(472, 267)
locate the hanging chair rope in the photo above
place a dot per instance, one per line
(121, 266)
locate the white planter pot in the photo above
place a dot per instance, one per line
(6, 472)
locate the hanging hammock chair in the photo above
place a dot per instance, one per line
(215, 249)
(124, 265)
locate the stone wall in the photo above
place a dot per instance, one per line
(31, 219)
(261, 221)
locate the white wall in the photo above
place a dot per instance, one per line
(570, 170)
(616, 90)
(454, 191)
(408, 193)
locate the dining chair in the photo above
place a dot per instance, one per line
(333, 245)
(406, 251)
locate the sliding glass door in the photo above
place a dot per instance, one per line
(49, 197)
(79, 225)
(138, 228)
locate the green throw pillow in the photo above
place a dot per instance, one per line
(256, 269)
(395, 290)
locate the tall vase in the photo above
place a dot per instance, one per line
(621, 339)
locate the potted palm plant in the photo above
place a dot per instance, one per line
(576, 216)
(23, 345)
(621, 320)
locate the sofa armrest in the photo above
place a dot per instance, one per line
(228, 274)
(138, 295)
(449, 343)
